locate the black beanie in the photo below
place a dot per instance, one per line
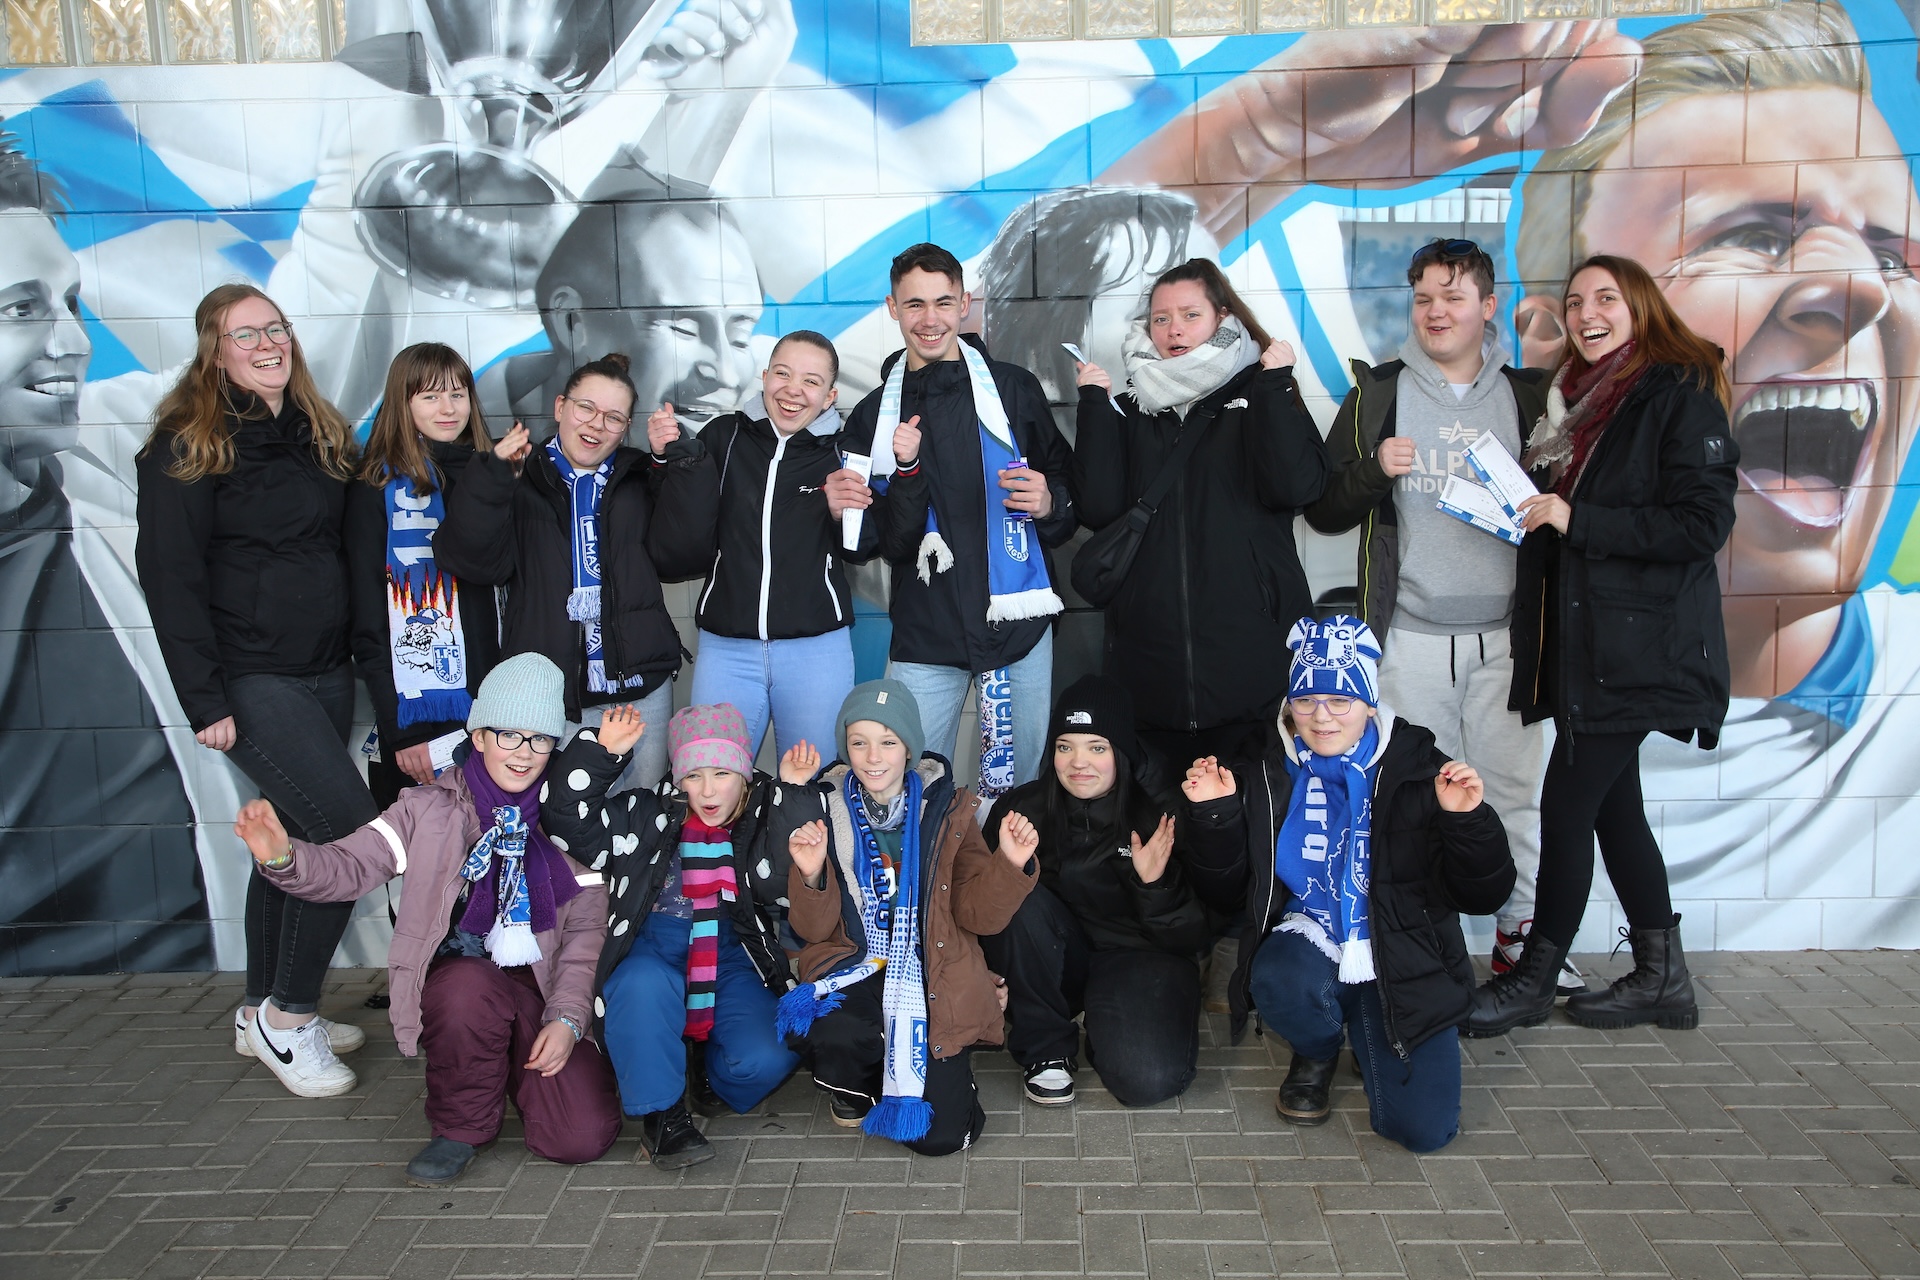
(1097, 705)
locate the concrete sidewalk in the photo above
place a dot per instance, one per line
(1779, 1140)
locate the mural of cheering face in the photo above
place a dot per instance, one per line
(43, 346)
(1793, 251)
(671, 283)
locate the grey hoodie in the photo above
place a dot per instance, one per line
(1454, 579)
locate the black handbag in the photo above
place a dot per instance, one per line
(1101, 565)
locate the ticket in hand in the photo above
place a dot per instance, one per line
(1464, 500)
(1073, 349)
(1509, 485)
(850, 518)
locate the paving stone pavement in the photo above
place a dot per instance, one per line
(1779, 1140)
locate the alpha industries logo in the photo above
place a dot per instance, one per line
(1457, 433)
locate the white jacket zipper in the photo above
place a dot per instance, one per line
(766, 532)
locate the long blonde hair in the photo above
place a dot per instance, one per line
(394, 447)
(191, 419)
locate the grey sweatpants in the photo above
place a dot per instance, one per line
(1457, 686)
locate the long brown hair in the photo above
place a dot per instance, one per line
(1206, 273)
(1662, 337)
(394, 447)
(192, 418)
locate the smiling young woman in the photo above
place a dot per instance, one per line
(243, 488)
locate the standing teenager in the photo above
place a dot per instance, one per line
(422, 641)
(582, 530)
(1217, 580)
(243, 490)
(776, 615)
(1437, 592)
(1617, 628)
(972, 475)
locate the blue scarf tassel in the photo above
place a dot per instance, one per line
(899, 1118)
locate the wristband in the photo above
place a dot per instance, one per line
(282, 862)
(907, 468)
(571, 1026)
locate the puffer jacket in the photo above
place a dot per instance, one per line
(1428, 867)
(426, 836)
(1361, 493)
(634, 837)
(1217, 583)
(965, 891)
(1617, 625)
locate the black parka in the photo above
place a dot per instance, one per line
(656, 524)
(944, 622)
(1429, 866)
(244, 573)
(1095, 877)
(1617, 625)
(776, 572)
(1198, 632)
(366, 540)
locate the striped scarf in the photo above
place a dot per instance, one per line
(707, 880)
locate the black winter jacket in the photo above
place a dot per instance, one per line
(1429, 866)
(633, 837)
(1096, 879)
(1198, 632)
(1360, 493)
(776, 571)
(656, 523)
(244, 573)
(944, 622)
(366, 539)
(1617, 625)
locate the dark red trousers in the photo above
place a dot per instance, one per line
(478, 1025)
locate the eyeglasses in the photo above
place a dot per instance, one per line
(1304, 707)
(247, 338)
(512, 740)
(587, 411)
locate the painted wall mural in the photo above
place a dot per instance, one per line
(685, 179)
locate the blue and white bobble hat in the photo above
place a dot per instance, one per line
(1338, 658)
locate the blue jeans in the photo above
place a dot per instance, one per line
(799, 683)
(942, 693)
(646, 1001)
(1298, 992)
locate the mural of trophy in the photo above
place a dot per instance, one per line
(473, 217)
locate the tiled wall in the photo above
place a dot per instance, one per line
(1759, 163)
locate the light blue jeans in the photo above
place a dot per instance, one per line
(649, 762)
(942, 693)
(798, 683)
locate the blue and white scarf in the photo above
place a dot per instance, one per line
(889, 904)
(1323, 853)
(584, 491)
(429, 647)
(510, 941)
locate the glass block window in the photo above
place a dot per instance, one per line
(54, 33)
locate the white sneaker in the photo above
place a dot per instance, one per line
(1050, 1083)
(301, 1058)
(342, 1037)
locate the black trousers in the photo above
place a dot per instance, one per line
(293, 744)
(847, 1049)
(1592, 789)
(1142, 1007)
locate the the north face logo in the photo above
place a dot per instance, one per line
(1079, 717)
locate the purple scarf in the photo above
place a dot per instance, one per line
(550, 878)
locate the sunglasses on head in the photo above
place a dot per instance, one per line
(1447, 249)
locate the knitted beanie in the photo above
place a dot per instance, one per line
(884, 702)
(710, 737)
(1337, 658)
(1096, 705)
(525, 692)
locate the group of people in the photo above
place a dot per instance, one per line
(611, 912)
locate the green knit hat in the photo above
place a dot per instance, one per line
(884, 702)
(525, 692)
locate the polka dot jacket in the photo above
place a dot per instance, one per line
(633, 839)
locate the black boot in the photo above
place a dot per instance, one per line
(1521, 997)
(1305, 1095)
(1658, 990)
(669, 1139)
(701, 1099)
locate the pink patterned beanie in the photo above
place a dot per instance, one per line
(710, 737)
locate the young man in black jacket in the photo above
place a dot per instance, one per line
(973, 600)
(1353, 846)
(1439, 593)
